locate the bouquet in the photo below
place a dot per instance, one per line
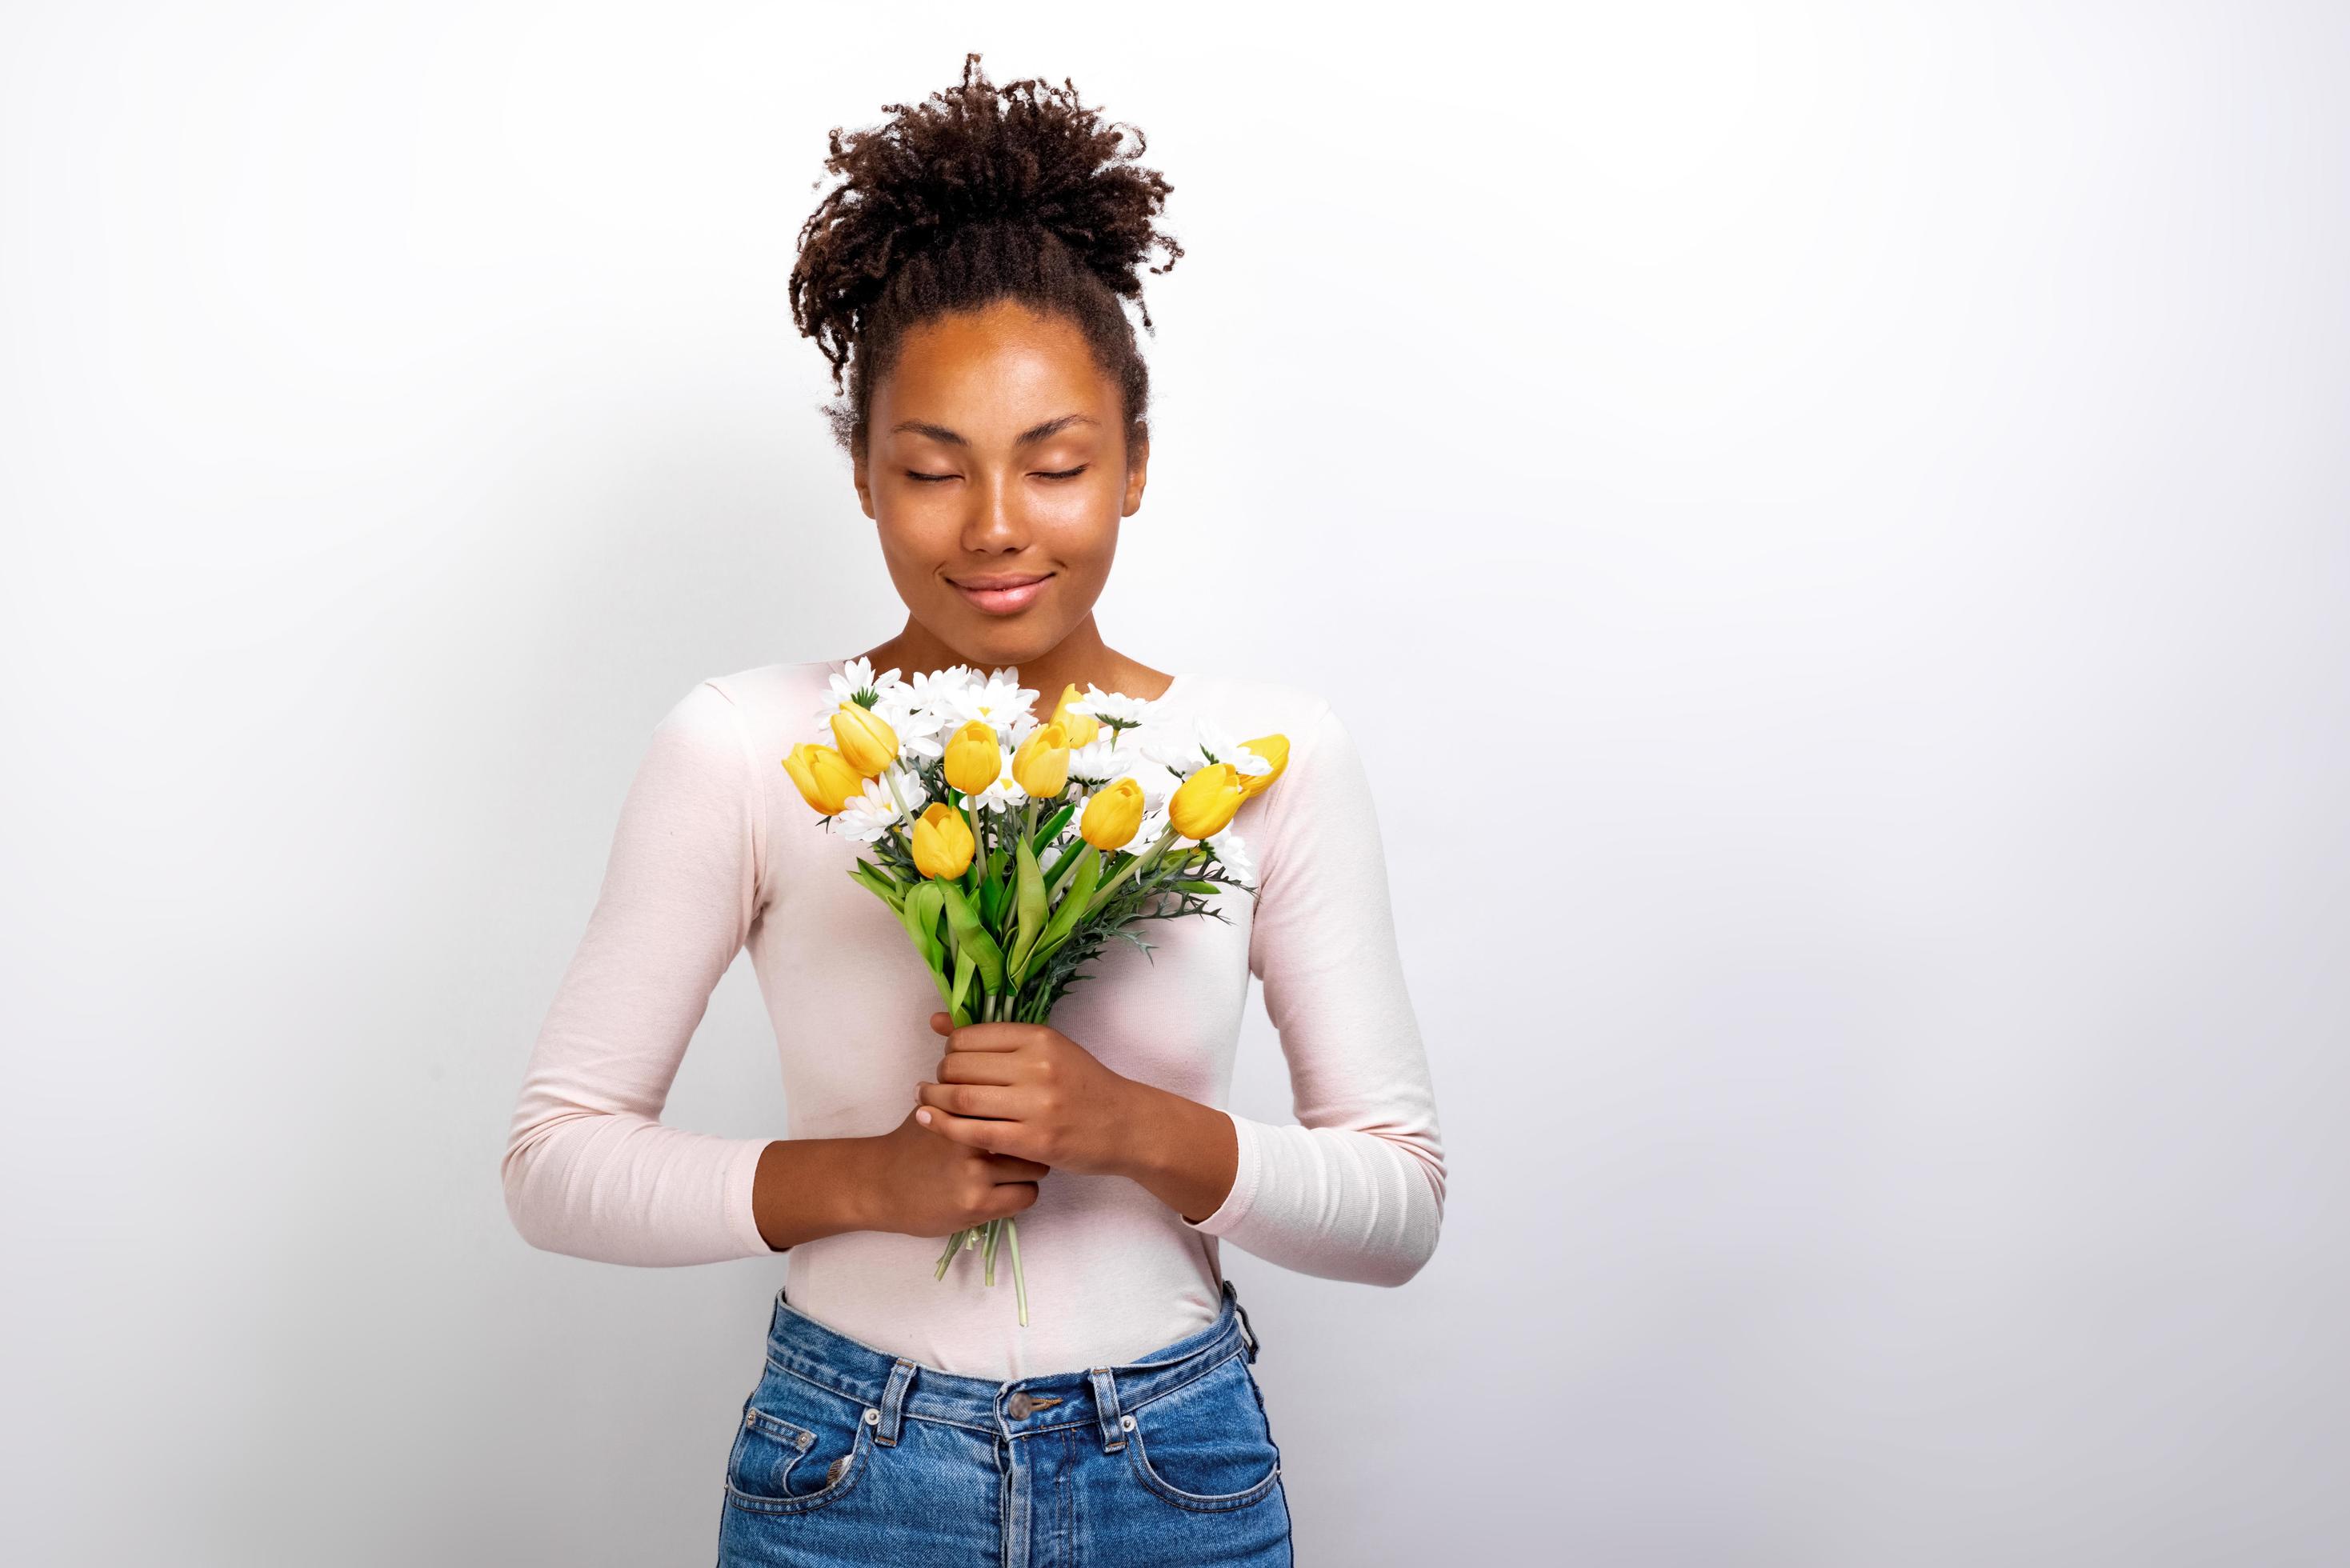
(1012, 848)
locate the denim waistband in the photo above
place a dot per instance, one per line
(892, 1387)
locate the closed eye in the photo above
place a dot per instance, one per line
(941, 478)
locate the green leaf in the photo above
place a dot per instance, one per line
(971, 936)
(1052, 828)
(866, 875)
(994, 888)
(1197, 887)
(1073, 904)
(1029, 894)
(919, 915)
(965, 970)
(1062, 867)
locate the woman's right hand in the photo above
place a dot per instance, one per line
(922, 1183)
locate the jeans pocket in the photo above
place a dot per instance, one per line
(1207, 1445)
(800, 1446)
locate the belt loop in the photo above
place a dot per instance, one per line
(1248, 1329)
(893, 1401)
(1113, 1430)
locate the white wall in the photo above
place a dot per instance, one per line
(1879, 470)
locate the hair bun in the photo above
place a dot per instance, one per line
(967, 161)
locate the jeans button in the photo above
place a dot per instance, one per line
(1018, 1407)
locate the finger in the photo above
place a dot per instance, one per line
(971, 1099)
(996, 1137)
(940, 1024)
(1012, 1197)
(976, 1068)
(991, 1036)
(1007, 1169)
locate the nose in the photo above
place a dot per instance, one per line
(994, 527)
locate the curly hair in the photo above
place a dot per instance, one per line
(974, 195)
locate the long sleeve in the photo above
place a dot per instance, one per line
(1355, 1190)
(589, 1170)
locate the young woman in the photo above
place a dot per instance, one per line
(969, 270)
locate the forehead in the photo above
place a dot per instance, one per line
(992, 374)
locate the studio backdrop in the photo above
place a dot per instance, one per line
(1828, 522)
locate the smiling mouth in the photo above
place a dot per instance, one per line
(1003, 593)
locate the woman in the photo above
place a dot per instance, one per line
(974, 259)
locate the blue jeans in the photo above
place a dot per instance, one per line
(848, 1454)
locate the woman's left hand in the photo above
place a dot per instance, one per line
(1030, 1091)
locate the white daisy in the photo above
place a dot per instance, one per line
(1000, 701)
(1101, 759)
(1219, 743)
(1175, 748)
(935, 688)
(920, 729)
(1186, 749)
(870, 816)
(856, 677)
(1116, 705)
(1233, 854)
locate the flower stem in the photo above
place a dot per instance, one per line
(1147, 858)
(1019, 1281)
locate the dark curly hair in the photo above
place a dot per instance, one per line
(976, 195)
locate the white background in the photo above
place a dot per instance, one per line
(1832, 527)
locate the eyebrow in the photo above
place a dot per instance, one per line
(1032, 434)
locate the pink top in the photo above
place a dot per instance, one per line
(716, 851)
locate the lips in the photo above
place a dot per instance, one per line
(1002, 593)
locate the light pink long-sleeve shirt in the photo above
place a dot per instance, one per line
(715, 852)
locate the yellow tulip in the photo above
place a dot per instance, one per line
(1112, 816)
(1274, 749)
(865, 738)
(1041, 765)
(974, 757)
(827, 781)
(1203, 803)
(1081, 728)
(943, 842)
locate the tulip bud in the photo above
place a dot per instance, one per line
(1206, 801)
(827, 781)
(865, 738)
(943, 842)
(974, 757)
(1274, 749)
(1041, 765)
(1112, 816)
(1081, 728)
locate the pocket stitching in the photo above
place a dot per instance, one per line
(1198, 1503)
(860, 1454)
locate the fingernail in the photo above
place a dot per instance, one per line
(923, 1117)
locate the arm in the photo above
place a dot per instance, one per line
(1355, 1190)
(589, 1170)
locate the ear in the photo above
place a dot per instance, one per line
(861, 476)
(1137, 470)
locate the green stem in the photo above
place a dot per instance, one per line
(1019, 1281)
(1143, 861)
